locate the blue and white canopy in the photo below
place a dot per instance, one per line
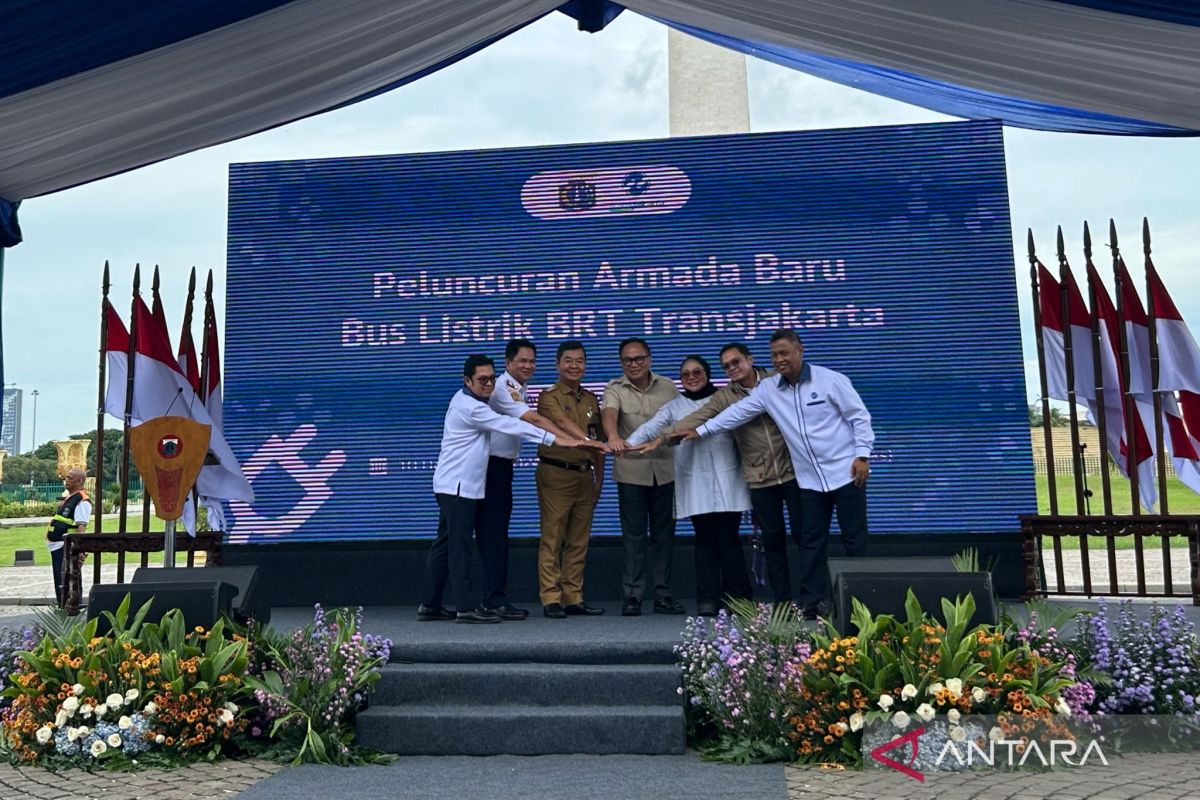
(92, 89)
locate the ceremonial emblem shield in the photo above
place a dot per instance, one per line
(169, 452)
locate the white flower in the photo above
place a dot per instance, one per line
(114, 740)
(843, 727)
(60, 718)
(900, 719)
(43, 734)
(1062, 708)
(98, 748)
(885, 701)
(925, 712)
(115, 700)
(159, 739)
(958, 733)
(954, 716)
(70, 704)
(231, 707)
(978, 694)
(77, 689)
(72, 734)
(83, 730)
(225, 717)
(124, 722)
(85, 709)
(150, 708)
(101, 710)
(954, 685)
(131, 695)
(856, 721)
(995, 734)
(934, 688)
(908, 692)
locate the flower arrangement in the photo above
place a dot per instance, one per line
(310, 684)
(154, 692)
(738, 670)
(12, 642)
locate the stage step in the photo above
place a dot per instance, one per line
(472, 706)
(531, 684)
(501, 651)
(522, 729)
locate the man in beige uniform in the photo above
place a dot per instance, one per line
(568, 484)
(645, 482)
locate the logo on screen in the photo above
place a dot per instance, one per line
(636, 183)
(576, 195)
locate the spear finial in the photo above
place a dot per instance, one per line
(1146, 236)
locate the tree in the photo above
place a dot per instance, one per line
(1058, 417)
(23, 469)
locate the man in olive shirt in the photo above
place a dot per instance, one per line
(645, 482)
(568, 484)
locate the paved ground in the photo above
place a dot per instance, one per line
(1126, 569)
(1159, 776)
(223, 779)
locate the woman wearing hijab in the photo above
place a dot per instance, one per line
(709, 491)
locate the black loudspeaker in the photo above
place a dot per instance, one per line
(201, 603)
(885, 593)
(839, 566)
(249, 603)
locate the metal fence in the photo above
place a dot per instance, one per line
(1091, 466)
(31, 494)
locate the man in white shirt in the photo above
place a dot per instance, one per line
(828, 433)
(494, 511)
(458, 484)
(71, 517)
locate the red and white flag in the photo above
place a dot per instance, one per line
(1121, 429)
(116, 348)
(1178, 370)
(188, 363)
(1054, 338)
(161, 389)
(212, 403)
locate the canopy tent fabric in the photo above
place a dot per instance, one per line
(90, 90)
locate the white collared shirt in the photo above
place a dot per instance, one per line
(822, 418)
(470, 422)
(510, 398)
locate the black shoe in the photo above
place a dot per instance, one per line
(509, 612)
(707, 608)
(632, 607)
(433, 614)
(478, 615)
(554, 611)
(668, 606)
(583, 610)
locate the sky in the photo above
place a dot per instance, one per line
(545, 84)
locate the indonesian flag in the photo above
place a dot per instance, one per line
(1127, 427)
(1053, 338)
(212, 402)
(188, 364)
(161, 389)
(1178, 370)
(116, 348)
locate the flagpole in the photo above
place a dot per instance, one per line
(98, 506)
(1128, 407)
(187, 328)
(156, 302)
(1042, 383)
(1152, 324)
(1097, 368)
(208, 288)
(128, 421)
(1069, 358)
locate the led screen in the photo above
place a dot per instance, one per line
(357, 286)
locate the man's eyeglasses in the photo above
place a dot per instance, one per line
(733, 363)
(631, 360)
(486, 378)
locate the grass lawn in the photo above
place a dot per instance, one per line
(1180, 500)
(33, 538)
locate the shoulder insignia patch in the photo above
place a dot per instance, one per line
(515, 395)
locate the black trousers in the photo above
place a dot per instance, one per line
(450, 558)
(809, 514)
(720, 561)
(56, 567)
(492, 517)
(647, 509)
